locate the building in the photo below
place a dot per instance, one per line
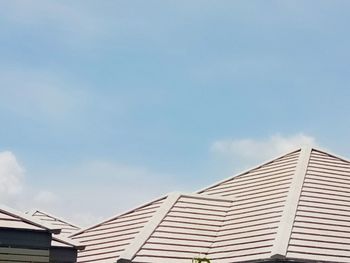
(25, 239)
(294, 208)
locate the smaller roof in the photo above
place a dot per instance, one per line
(66, 227)
(60, 239)
(10, 218)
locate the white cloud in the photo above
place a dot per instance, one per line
(15, 192)
(245, 152)
(11, 177)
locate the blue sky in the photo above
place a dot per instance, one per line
(106, 105)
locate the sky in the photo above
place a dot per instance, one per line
(105, 105)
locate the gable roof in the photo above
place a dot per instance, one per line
(10, 218)
(295, 207)
(66, 227)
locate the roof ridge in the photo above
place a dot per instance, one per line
(128, 254)
(271, 160)
(281, 242)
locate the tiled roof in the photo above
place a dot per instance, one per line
(293, 208)
(189, 227)
(66, 227)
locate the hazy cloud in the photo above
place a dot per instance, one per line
(16, 192)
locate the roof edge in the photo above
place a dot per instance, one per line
(278, 256)
(70, 242)
(122, 260)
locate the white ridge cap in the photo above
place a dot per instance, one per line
(280, 246)
(149, 228)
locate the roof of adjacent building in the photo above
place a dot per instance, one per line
(295, 207)
(12, 219)
(66, 227)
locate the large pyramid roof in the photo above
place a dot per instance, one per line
(293, 208)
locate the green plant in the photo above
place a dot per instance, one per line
(200, 260)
